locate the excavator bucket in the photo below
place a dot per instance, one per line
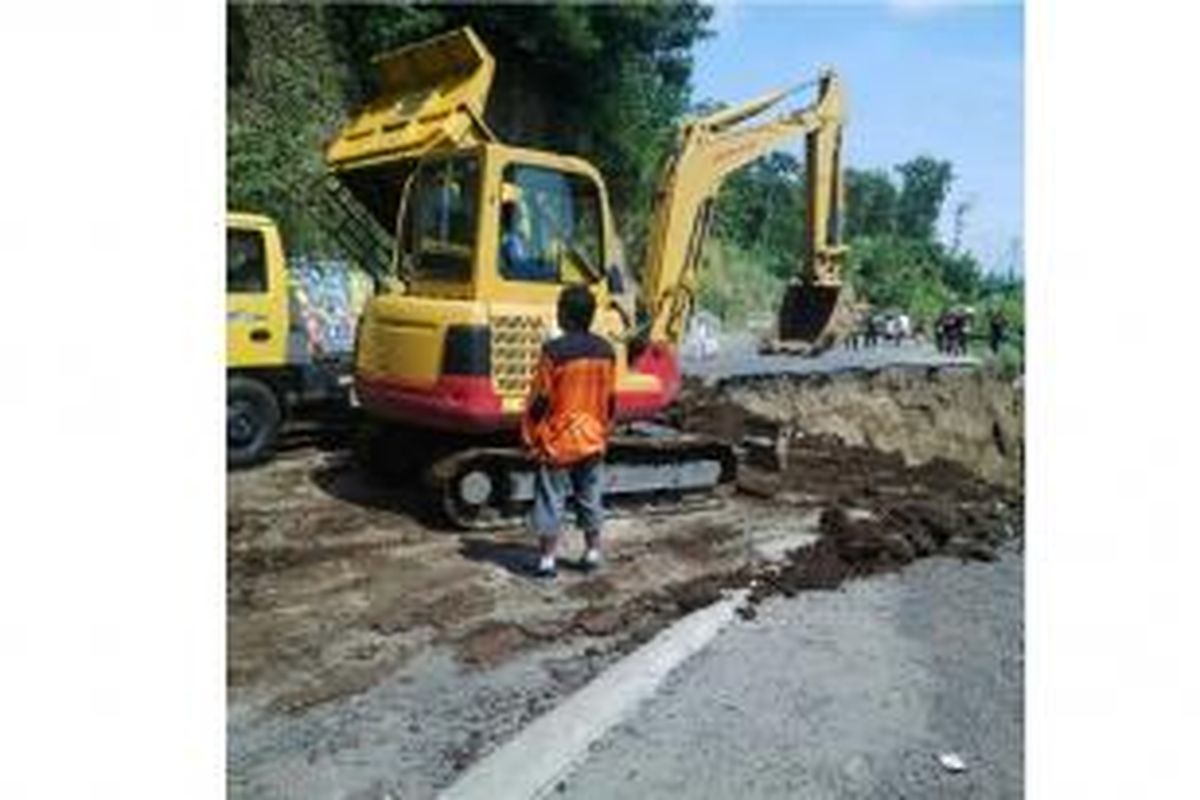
(807, 313)
(433, 97)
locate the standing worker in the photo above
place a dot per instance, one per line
(568, 418)
(966, 320)
(999, 326)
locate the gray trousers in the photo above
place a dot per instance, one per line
(552, 486)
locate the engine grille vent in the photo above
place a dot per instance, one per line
(516, 344)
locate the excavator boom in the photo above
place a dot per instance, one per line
(708, 150)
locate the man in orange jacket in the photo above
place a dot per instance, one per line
(568, 418)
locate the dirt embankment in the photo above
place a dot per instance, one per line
(967, 416)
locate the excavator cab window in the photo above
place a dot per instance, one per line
(550, 227)
(438, 234)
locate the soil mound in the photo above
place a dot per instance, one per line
(971, 417)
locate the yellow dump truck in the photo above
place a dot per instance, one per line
(285, 347)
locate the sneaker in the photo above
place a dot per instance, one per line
(591, 560)
(546, 568)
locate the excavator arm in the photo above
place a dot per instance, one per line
(709, 149)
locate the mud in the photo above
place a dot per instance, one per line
(877, 514)
(492, 643)
(880, 514)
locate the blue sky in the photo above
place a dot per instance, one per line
(922, 76)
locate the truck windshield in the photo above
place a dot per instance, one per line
(440, 220)
(245, 262)
(552, 230)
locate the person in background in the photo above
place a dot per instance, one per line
(871, 335)
(999, 327)
(566, 426)
(966, 318)
(942, 329)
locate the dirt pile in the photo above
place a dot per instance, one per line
(879, 514)
(973, 417)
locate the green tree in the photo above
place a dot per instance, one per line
(760, 209)
(604, 81)
(871, 200)
(960, 272)
(924, 184)
(285, 94)
(607, 82)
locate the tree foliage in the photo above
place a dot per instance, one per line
(604, 81)
(760, 210)
(285, 85)
(871, 200)
(924, 184)
(734, 285)
(896, 260)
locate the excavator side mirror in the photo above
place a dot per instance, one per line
(616, 283)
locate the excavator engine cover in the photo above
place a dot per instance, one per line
(806, 311)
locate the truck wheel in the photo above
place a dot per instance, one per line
(252, 417)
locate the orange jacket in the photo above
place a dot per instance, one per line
(572, 400)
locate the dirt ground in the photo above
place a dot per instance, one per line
(345, 599)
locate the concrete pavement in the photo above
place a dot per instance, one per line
(846, 694)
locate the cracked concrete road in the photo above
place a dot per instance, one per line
(846, 694)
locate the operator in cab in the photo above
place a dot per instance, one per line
(567, 422)
(516, 260)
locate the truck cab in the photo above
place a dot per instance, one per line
(275, 361)
(256, 333)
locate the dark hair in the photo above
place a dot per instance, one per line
(508, 214)
(576, 308)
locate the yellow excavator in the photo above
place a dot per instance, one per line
(488, 234)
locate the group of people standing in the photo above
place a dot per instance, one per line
(874, 327)
(951, 330)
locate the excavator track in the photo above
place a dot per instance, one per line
(650, 470)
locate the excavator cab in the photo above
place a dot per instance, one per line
(486, 238)
(498, 222)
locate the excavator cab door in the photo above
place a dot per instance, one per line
(438, 221)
